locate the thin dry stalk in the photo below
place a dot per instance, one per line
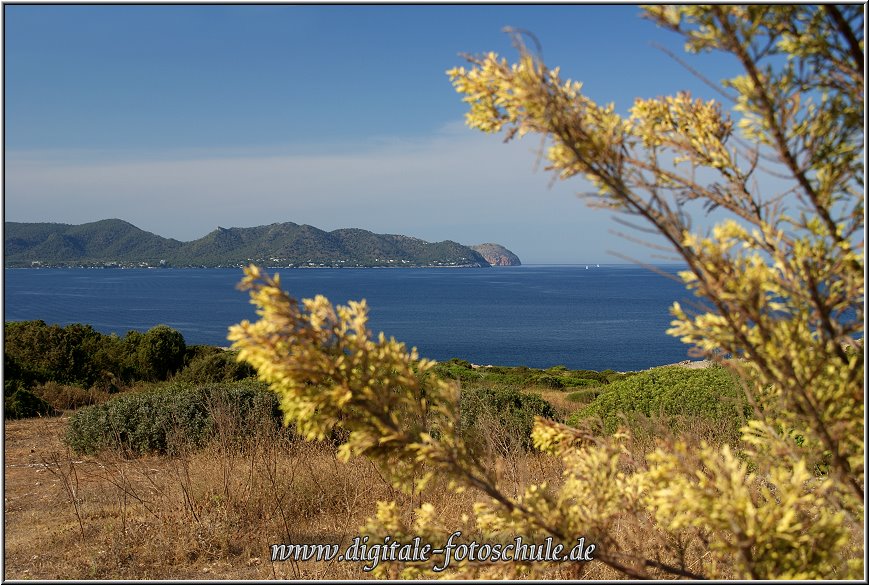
(64, 470)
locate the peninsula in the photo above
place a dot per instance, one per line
(117, 243)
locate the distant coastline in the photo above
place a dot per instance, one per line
(239, 266)
(579, 265)
(114, 243)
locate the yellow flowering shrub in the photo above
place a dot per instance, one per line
(780, 279)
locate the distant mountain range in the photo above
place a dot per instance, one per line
(114, 242)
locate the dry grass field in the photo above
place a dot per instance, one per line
(213, 512)
(210, 514)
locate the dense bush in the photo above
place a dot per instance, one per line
(212, 364)
(524, 377)
(170, 417)
(24, 404)
(507, 412)
(156, 354)
(549, 381)
(516, 376)
(458, 369)
(566, 381)
(563, 372)
(196, 351)
(585, 395)
(710, 392)
(36, 353)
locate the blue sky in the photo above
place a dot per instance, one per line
(182, 118)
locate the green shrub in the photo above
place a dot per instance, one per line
(556, 377)
(23, 403)
(35, 353)
(602, 377)
(17, 375)
(563, 378)
(672, 391)
(586, 395)
(612, 376)
(196, 351)
(507, 376)
(574, 382)
(158, 353)
(169, 417)
(507, 412)
(549, 381)
(214, 366)
(457, 369)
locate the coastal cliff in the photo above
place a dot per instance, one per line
(497, 255)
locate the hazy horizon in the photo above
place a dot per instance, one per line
(182, 118)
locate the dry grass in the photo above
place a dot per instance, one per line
(210, 514)
(213, 513)
(559, 400)
(63, 397)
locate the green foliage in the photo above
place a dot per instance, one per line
(507, 411)
(522, 376)
(195, 352)
(518, 376)
(159, 353)
(585, 395)
(23, 403)
(169, 417)
(513, 380)
(16, 375)
(458, 369)
(612, 376)
(601, 377)
(214, 365)
(549, 381)
(36, 353)
(668, 392)
(566, 381)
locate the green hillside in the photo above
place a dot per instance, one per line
(97, 243)
(113, 242)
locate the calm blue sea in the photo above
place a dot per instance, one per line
(539, 316)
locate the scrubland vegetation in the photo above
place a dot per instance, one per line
(49, 368)
(195, 476)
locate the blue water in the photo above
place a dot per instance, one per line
(539, 316)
